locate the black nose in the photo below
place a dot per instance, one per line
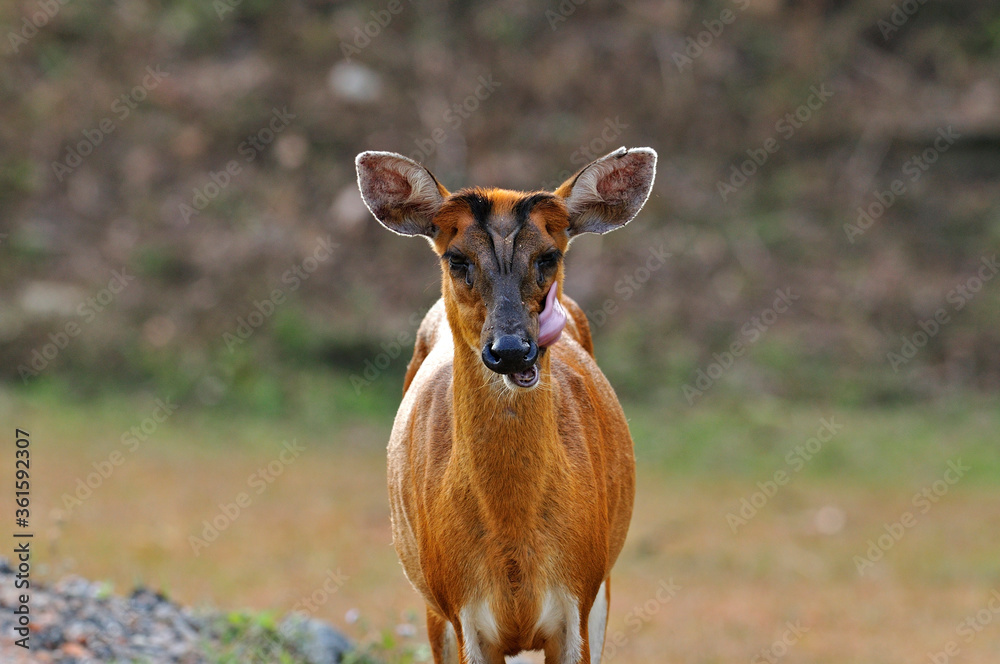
(510, 354)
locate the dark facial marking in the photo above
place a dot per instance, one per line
(525, 205)
(505, 227)
(523, 209)
(480, 206)
(505, 232)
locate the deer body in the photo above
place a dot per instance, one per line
(511, 472)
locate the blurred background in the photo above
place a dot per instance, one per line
(190, 278)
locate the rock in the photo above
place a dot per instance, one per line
(76, 621)
(320, 643)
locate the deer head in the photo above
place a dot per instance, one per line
(502, 251)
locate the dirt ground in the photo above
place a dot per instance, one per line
(784, 587)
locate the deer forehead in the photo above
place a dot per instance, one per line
(502, 222)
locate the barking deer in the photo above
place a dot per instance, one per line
(510, 464)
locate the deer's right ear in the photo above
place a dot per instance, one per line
(402, 194)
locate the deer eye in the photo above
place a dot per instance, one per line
(460, 267)
(546, 265)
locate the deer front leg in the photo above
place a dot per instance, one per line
(449, 646)
(571, 648)
(580, 639)
(597, 623)
(567, 641)
(444, 645)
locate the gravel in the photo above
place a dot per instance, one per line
(76, 621)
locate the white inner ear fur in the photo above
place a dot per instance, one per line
(584, 192)
(588, 208)
(404, 214)
(424, 195)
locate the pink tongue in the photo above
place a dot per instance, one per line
(552, 320)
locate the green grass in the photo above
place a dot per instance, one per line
(249, 637)
(872, 445)
(720, 436)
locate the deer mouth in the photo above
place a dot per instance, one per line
(551, 322)
(524, 379)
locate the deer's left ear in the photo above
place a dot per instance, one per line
(609, 191)
(402, 194)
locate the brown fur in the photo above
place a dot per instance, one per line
(498, 496)
(509, 505)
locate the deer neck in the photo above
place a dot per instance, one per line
(504, 443)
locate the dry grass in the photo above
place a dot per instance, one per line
(327, 512)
